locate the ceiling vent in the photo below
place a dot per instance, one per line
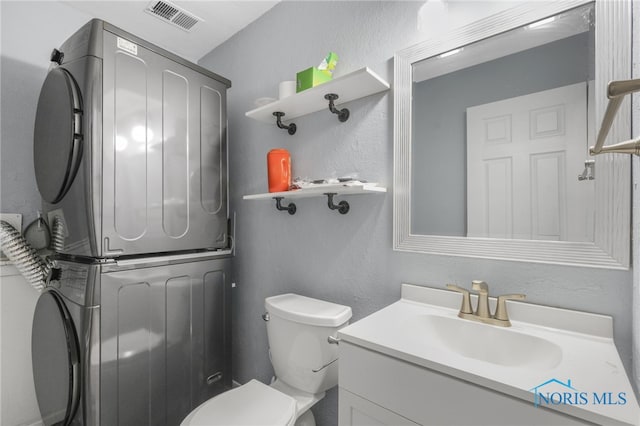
(172, 14)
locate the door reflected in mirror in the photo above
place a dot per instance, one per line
(500, 133)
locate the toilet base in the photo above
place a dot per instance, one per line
(304, 400)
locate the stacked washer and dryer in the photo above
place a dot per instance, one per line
(130, 153)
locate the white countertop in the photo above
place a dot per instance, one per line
(589, 357)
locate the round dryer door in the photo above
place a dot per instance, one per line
(55, 359)
(57, 139)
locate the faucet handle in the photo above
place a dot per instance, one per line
(480, 286)
(466, 298)
(501, 309)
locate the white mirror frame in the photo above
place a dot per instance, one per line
(611, 248)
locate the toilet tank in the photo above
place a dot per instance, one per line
(297, 329)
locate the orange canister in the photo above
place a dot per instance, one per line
(279, 170)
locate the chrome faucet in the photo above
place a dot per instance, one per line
(482, 312)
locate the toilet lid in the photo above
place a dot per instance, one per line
(248, 405)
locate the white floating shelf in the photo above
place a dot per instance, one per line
(319, 191)
(349, 87)
(330, 191)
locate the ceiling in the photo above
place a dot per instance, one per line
(221, 20)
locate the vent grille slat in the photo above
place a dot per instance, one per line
(185, 21)
(164, 10)
(172, 14)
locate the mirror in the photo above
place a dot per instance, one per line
(493, 124)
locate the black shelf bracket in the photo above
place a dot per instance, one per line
(342, 206)
(291, 208)
(343, 114)
(291, 128)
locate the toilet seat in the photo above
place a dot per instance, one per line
(251, 404)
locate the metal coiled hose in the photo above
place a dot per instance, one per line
(57, 235)
(16, 248)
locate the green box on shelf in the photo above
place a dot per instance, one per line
(309, 78)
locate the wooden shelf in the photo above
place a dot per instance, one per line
(349, 87)
(336, 190)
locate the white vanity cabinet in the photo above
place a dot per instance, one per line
(376, 389)
(415, 362)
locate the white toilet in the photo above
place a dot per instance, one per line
(305, 363)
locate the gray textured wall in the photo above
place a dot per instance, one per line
(27, 40)
(21, 84)
(348, 259)
(439, 147)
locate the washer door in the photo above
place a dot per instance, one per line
(55, 359)
(57, 139)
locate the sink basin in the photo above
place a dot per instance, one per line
(488, 343)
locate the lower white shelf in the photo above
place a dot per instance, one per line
(329, 190)
(320, 190)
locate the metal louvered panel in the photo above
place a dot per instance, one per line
(164, 10)
(172, 14)
(185, 21)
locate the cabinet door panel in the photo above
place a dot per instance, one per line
(356, 411)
